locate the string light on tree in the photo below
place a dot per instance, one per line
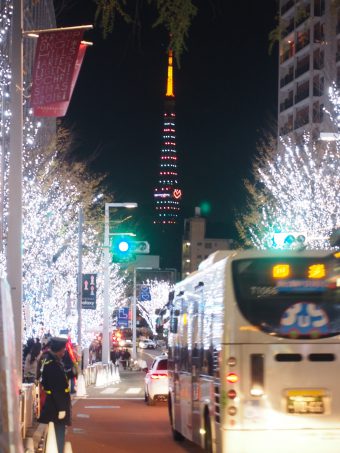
(159, 292)
(295, 190)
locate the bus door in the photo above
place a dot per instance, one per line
(195, 394)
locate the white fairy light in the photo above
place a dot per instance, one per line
(51, 201)
(296, 189)
(159, 291)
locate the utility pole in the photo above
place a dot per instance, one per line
(80, 273)
(106, 313)
(134, 315)
(14, 242)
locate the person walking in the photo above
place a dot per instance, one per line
(57, 407)
(31, 363)
(126, 359)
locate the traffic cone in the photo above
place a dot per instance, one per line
(51, 441)
(68, 447)
(81, 387)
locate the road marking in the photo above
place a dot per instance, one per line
(83, 416)
(102, 407)
(78, 430)
(128, 398)
(133, 391)
(109, 391)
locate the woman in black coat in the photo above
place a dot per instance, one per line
(57, 407)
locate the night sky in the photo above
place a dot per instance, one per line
(226, 97)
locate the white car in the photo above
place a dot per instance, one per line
(156, 381)
(147, 344)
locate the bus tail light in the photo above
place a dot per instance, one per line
(232, 410)
(232, 394)
(232, 378)
(231, 361)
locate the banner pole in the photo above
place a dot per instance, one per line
(14, 241)
(80, 272)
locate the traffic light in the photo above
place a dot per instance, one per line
(123, 248)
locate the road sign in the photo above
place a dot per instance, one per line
(144, 294)
(141, 247)
(123, 317)
(89, 291)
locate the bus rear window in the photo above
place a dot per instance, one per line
(290, 297)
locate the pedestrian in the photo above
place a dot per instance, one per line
(70, 366)
(25, 350)
(125, 359)
(31, 363)
(42, 357)
(57, 407)
(114, 356)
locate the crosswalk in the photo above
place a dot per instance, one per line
(115, 392)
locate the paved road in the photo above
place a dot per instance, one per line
(116, 419)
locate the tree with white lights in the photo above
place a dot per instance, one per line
(159, 293)
(296, 191)
(54, 190)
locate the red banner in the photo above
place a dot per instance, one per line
(58, 59)
(60, 108)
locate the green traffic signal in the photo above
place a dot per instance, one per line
(123, 248)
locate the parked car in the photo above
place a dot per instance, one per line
(147, 344)
(156, 381)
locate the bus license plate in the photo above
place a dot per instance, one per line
(305, 402)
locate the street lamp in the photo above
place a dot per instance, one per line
(106, 315)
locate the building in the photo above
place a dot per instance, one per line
(309, 61)
(167, 194)
(195, 246)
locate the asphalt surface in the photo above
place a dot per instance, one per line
(115, 419)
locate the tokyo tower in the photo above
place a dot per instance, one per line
(167, 194)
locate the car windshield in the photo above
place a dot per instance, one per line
(162, 365)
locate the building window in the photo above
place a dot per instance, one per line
(208, 245)
(199, 257)
(199, 243)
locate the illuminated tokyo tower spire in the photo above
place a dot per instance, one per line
(167, 194)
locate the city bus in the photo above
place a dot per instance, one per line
(254, 353)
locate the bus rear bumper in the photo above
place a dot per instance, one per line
(281, 441)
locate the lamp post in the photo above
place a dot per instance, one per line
(106, 315)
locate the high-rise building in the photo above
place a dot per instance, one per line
(195, 246)
(309, 63)
(167, 194)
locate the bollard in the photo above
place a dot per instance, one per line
(100, 378)
(51, 441)
(81, 388)
(68, 447)
(116, 374)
